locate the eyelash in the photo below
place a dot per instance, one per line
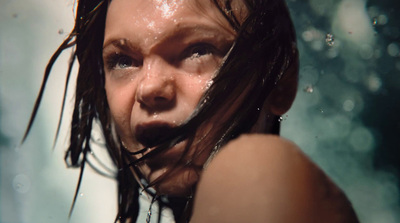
(191, 54)
(118, 61)
(114, 61)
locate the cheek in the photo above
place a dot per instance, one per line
(120, 101)
(195, 87)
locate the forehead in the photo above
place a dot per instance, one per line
(156, 11)
(150, 20)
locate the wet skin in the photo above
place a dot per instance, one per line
(159, 58)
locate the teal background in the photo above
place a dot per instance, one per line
(345, 116)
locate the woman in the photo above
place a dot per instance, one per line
(189, 94)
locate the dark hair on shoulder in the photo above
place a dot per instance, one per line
(264, 50)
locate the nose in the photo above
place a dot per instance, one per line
(157, 89)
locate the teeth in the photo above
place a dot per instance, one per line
(152, 135)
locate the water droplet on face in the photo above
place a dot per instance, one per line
(309, 89)
(209, 83)
(155, 115)
(329, 39)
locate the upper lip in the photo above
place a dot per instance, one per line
(153, 133)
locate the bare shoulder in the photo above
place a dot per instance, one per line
(265, 178)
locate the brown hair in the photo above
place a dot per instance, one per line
(262, 53)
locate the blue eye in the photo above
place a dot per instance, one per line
(121, 61)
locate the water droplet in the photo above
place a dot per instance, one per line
(258, 109)
(321, 110)
(374, 83)
(81, 194)
(393, 49)
(329, 39)
(366, 52)
(348, 105)
(308, 89)
(155, 115)
(382, 19)
(61, 31)
(362, 139)
(21, 183)
(209, 83)
(280, 119)
(374, 21)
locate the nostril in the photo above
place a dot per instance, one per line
(157, 104)
(160, 99)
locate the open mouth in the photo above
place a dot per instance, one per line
(152, 134)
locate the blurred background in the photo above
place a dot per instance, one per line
(345, 116)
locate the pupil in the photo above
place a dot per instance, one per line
(199, 51)
(124, 62)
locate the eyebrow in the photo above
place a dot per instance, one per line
(122, 43)
(178, 33)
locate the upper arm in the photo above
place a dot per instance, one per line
(261, 178)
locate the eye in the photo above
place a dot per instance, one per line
(200, 50)
(121, 61)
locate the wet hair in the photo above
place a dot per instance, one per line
(264, 51)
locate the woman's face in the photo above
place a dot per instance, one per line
(159, 57)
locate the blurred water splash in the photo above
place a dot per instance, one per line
(35, 184)
(342, 117)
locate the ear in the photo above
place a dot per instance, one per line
(282, 96)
